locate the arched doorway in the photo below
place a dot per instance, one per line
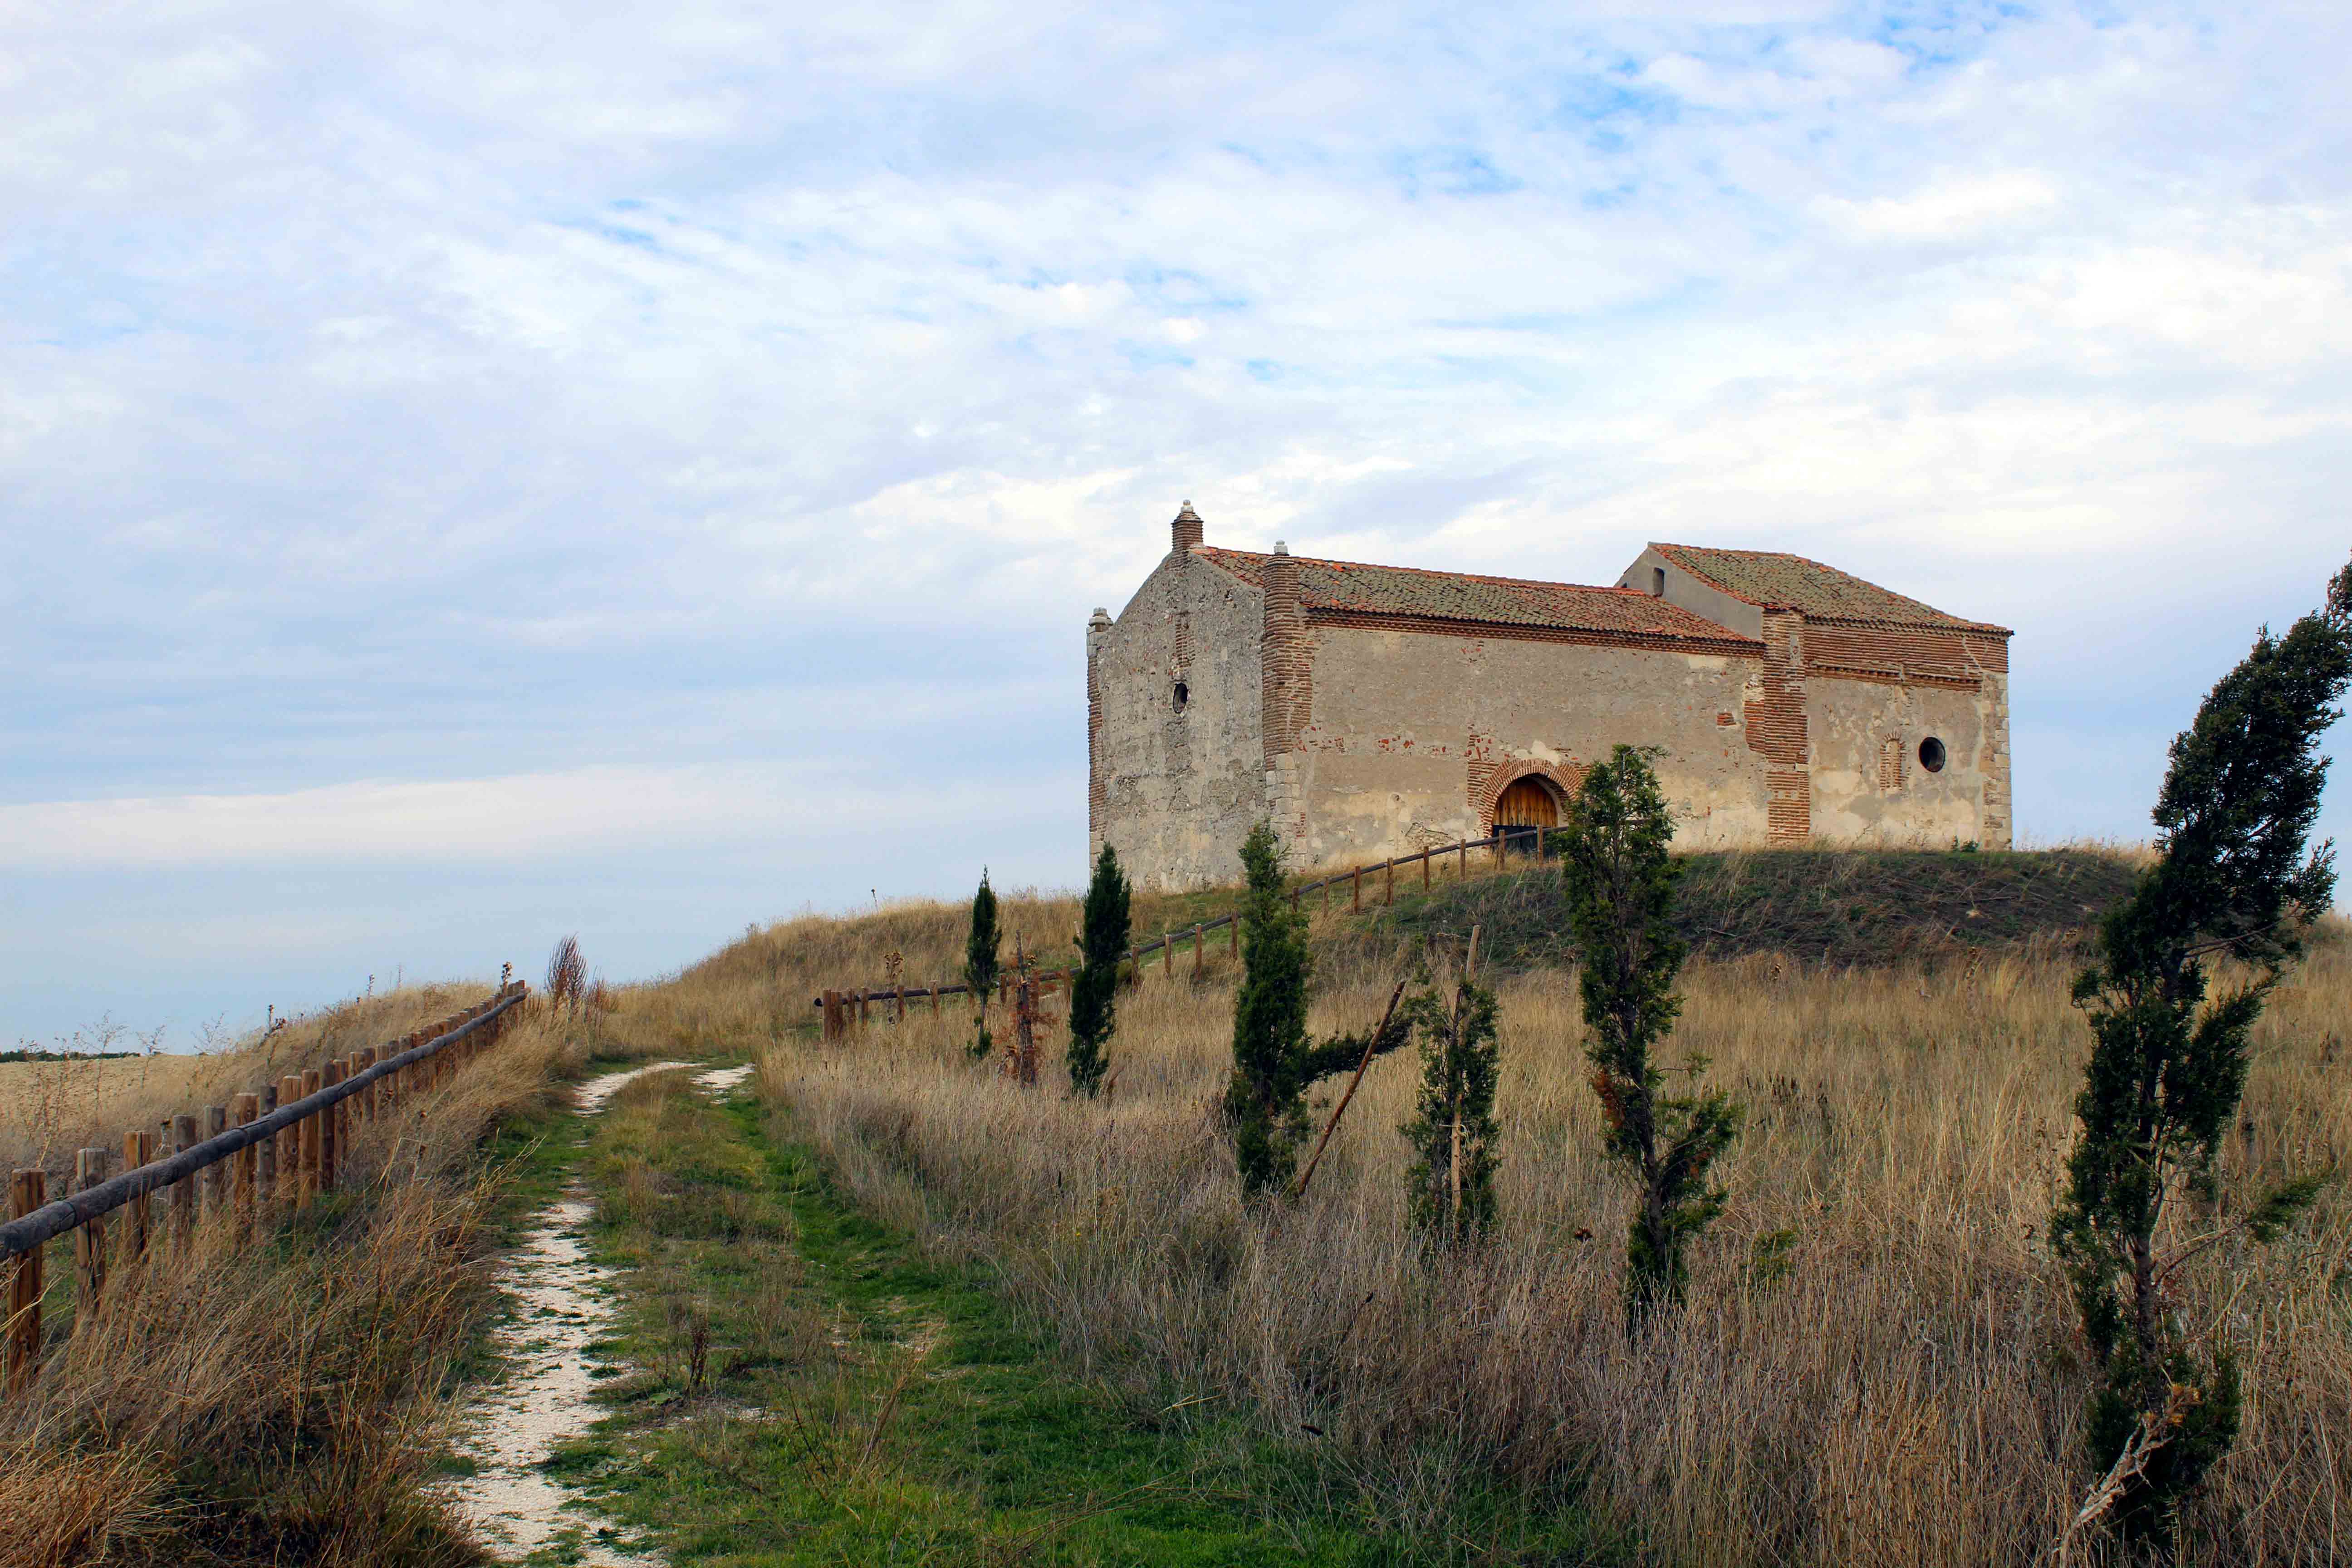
(1527, 804)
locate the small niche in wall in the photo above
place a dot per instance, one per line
(1931, 754)
(1183, 694)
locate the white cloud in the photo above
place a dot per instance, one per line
(1947, 209)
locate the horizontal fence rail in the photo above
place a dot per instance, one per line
(44, 1224)
(282, 1153)
(841, 1008)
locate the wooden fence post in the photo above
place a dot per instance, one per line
(1196, 953)
(265, 1153)
(1424, 869)
(364, 1058)
(936, 986)
(330, 1151)
(1499, 836)
(1388, 899)
(89, 1239)
(135, 1147)
(1461, 861)
(215, 1179)
(347, 1112)
(27, 1191)
(1355, 892)
(310, 1124)
(183, 1191)
(290, 1145)
(246, 1110)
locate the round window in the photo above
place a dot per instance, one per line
(1931, 754)
(1184, 696)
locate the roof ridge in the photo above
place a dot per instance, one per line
(1431, 572)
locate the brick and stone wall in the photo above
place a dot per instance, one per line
(1175, 790)
(1363, 736)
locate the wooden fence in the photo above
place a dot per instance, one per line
(841, 1010)
(279, 1145)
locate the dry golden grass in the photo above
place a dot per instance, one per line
(282, 1403)
(1902, 1388)
(49, 1109)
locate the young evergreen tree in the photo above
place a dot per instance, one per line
(1450, 1189)
(1102, 947)
(1274, 1060)
(982, 962)
(1620, 883)
(2232, 880)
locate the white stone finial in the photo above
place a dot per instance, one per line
(1280, 548)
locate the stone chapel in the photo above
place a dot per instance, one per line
(1368, 711)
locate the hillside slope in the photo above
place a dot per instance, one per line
(1825, 907)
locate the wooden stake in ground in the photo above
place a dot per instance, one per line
(1372, 1047)
(331, 1153)
(1020, 1059)
(308, 1156)
(183, 1191)
(89, 1239)
(27, 1190)
(137, 1150)
(265, 1153)
(245, 1167)
(290, 1145)
(213, 1177)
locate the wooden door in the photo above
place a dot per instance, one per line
(1526, 803)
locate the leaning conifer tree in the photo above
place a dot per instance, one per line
(1102, 945)
(2232, 881)
(1450, 1189)
(1619, 881)
(981, 962)
(1274, 1060)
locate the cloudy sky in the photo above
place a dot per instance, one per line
(470, 473)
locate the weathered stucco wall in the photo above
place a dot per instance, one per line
(1873, 698)
(1361, 740)
(1412, 735)
(1174, 792)
(1686, 592)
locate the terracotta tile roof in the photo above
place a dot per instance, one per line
(1776, 581)
(1357, 588)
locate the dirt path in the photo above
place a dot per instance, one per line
(563, 1303)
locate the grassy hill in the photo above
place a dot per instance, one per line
(1832, 907)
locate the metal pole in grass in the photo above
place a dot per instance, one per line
(89, 1239)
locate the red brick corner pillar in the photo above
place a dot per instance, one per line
(1286, 689)
(1776, 731)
